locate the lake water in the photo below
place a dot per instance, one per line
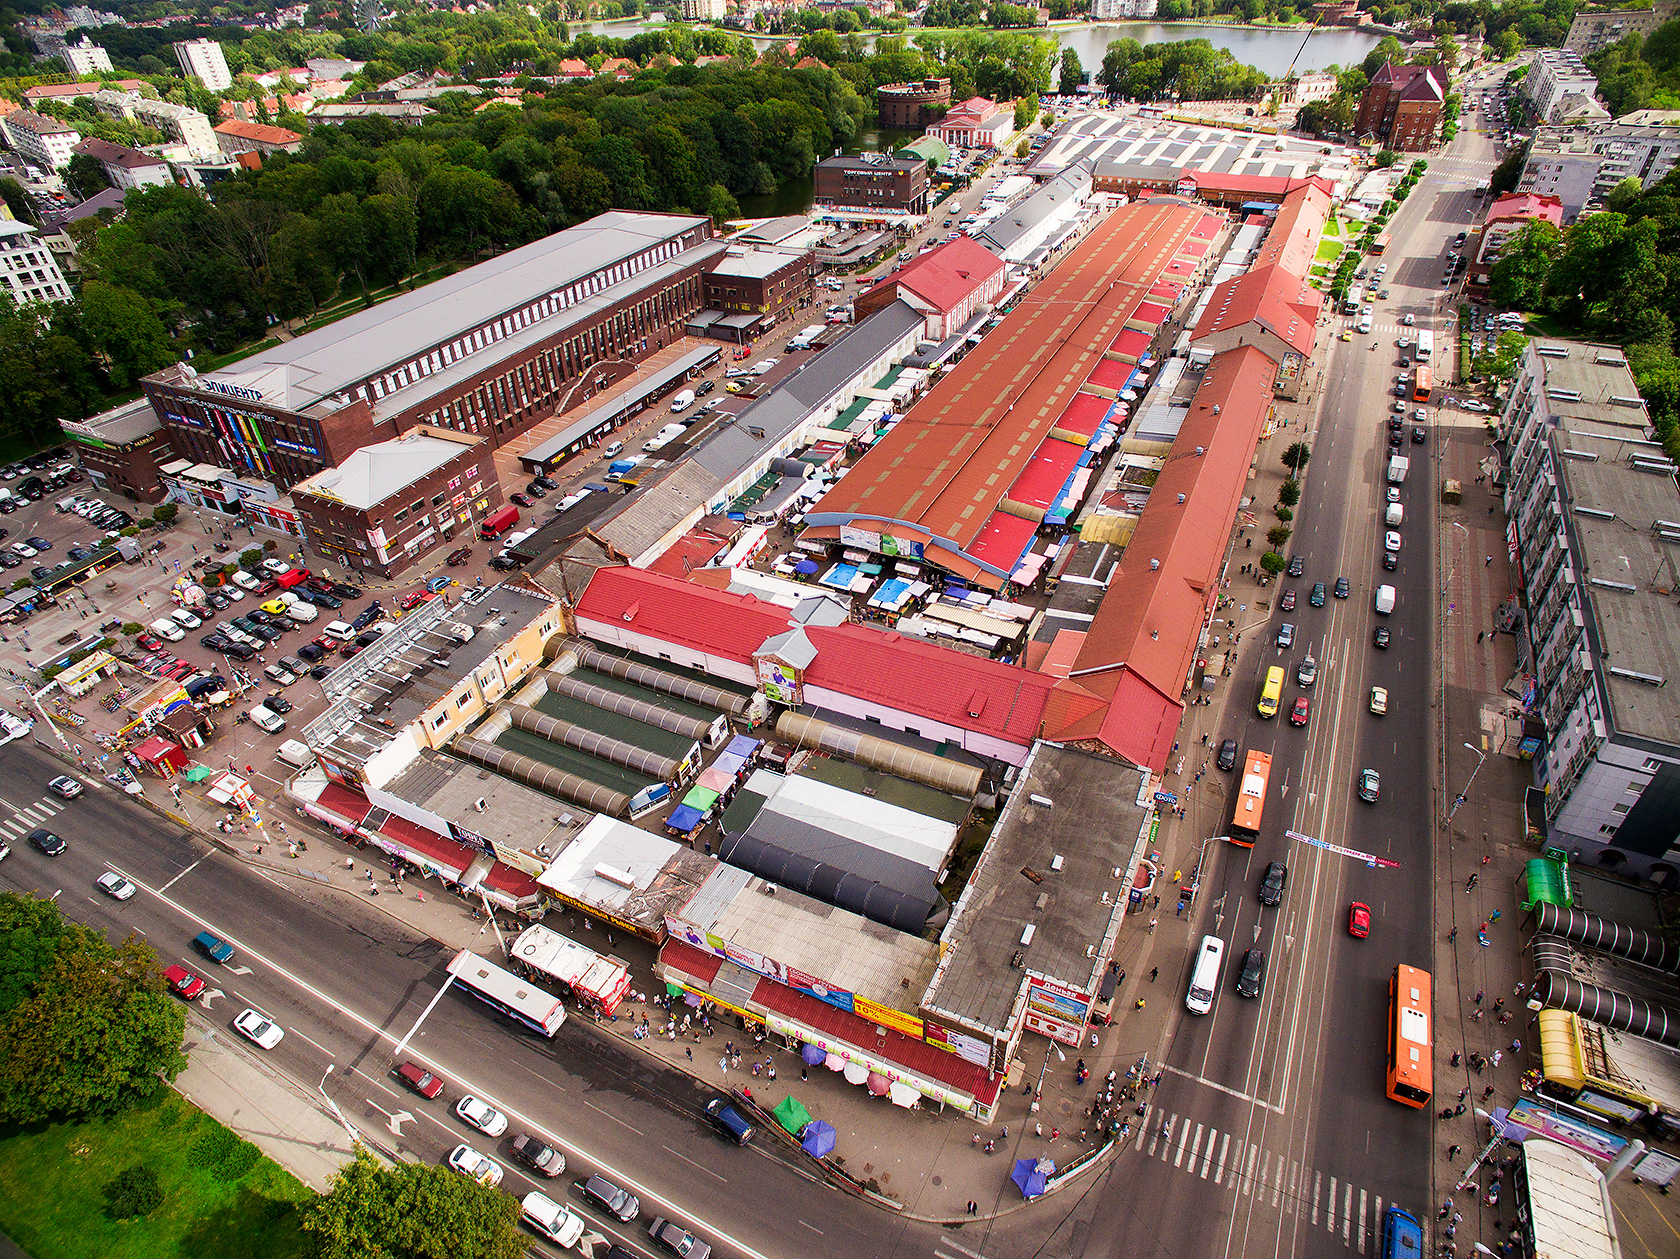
(1270, 49)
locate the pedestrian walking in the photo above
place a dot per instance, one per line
(1495, 915)
(1498, 1004)
(973, 1207)
(1470, 883)
(1139, 1005)
(1464, 1092)
(1452, 935)
(1516, 1046)
(1152, 924)
(1480, 635)
(1497, 1055)
(689, 1052)
(1478, 997)
(1153, 972)
(1458, 1110)
(1456, 1058)
(1487, 1092)
(1518, 991)
(1452, 1152)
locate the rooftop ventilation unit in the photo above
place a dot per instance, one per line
(1027, 934)
(612, 874)
(1650, 679)
(1622, 400)
(1586, 456)
(1551, 351)
(1607, 584)
(1665, 466)
(1563, 395)
(1595, 512)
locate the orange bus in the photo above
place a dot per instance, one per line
(1410, 1047)
(1424, 384)
(1379, 246)
(1251, 799)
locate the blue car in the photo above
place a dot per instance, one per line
(438, 583)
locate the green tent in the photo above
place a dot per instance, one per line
(791, 1115)
(702, 798)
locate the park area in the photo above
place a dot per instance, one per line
(69, 1191)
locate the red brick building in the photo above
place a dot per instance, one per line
(1401, 108)
(912, 106)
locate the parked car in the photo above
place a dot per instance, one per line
(1228, 754)
(605, 1196)
(475, 1166)
(481, 1115)
(459, 556)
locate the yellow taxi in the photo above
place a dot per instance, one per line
(1346, 335)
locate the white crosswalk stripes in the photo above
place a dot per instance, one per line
(28, 817)
(1311, 1194)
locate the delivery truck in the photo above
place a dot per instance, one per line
(1397, 465)
(1385, 599)
(499, 522)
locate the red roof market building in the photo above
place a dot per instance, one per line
(935, 484)
(950, 284)
(1126, 691)
(943, 695)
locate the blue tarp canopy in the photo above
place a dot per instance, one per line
(743, 745)
(818, 1138)
(685, 818)
(1030, 1175)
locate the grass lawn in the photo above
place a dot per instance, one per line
(222, 1198)
(1329, 250)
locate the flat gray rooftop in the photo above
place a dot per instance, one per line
(320, 363)
(515, 817)
(1092, 823)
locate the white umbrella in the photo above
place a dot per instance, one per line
(855, 1073)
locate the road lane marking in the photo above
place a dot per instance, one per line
(1248, 1175)
(1250, 1098)
(317, 1044)
(1277, 1183)
(1207, 1161)
(1294, 1181)
(16, 829)
(1362, 1205)
(701, 1167)
(1178, 1159)
(179, 877)
(1224, 1148)
(1316, 1177)
(592, 1106)
(812, 1227)
(1347, 1208)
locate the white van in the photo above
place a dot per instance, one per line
(244, 580)
(301, 612)
(164, 628)
(296, 754)
(612, 450)
(267, 720)
(683, 400)
(185, 619)
(339, 632)
(1385, 599)
(557, 1223)
(1204, 980)
(1394, 515)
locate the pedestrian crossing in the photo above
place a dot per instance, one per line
(1343, 1210)
(28, 817)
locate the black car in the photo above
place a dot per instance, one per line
(322, 601)
(1251, 977)
(366, 617)
(344, 590)
(1390, 560)
(1317, 596)
(310, 652)
(1395, 439)
(547, 482)
(10, 559)
(1273, 882)
(267, 618)
(41, 571)
(536, 491)
(216, 641)
(1297, 566)
(1342, 587)
(320, 671)
(278, 703)
(216, 600)
(605, 1196)
(503, 562)
(1380, 638)
(47, 842)
(459, 556)
(1228, 754)
(239, 651)
(704, 387)
(540, 1158)
(1418, 436)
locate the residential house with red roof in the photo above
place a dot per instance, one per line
(1507, 216)
(234, 138)
(1402, 106)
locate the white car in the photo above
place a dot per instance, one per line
(486, 1118)
(475, 1166)
(1472, 404)
(233, 593)
(1391, 540)
(245, 580)
(114, 886)
(25, 550)
(259, 1029)
(1379, 700)
(1409, 321)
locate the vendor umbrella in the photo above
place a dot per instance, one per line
(834, 1062)
(1030, 1175)
(198, 773)
(812, 1055)
(805, 567)
(877, 1084)
(819, 1138)
(855, 1073)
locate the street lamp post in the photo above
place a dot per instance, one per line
(355, 1137)
(1463, 795)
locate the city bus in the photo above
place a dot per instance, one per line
(1272, 693)
(1423, 384)
(508, 994)
(1251, 799)
(1425, 346)
(1402, 1235)
(1410, 1065)
(1379, 246)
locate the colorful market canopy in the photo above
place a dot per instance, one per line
(791, 1115)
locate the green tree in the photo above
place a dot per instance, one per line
(1072, 73)
(1289, 493)
(1519, 274)
(86, 1027)
(17, 200)
(1273, 563)
(412, 1211)
(1026, 110)
(1623, 195)
(126, 332)
(1277, 535)
(85, 176)
(1501, 361)
(1296, 456)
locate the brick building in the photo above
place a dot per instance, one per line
(768, 282)
(1402, 106)
(234, 137)
(122, 450)
(490, 351)
(392, 502)
(912, 106)
(872, 181)
(977, 123)
(125, 167)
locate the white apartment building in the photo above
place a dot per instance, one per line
(704, 10)
(1559, 83)
(27, 267)
(1591, 31)
(1578, 166)
(36, 138)
(1111, 10)
(1595, 532)
(86, 58)
(202, 59)
(182, 124)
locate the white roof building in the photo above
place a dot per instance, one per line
(27, 266)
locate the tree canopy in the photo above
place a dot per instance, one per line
(86, 1027)
(412, 1211)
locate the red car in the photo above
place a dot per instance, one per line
(419, 1079)
(1287, 603)
(1298, 714)
(148, 642)
(414, 599)
(183, 983)
(459, 557)
(1359, 919)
